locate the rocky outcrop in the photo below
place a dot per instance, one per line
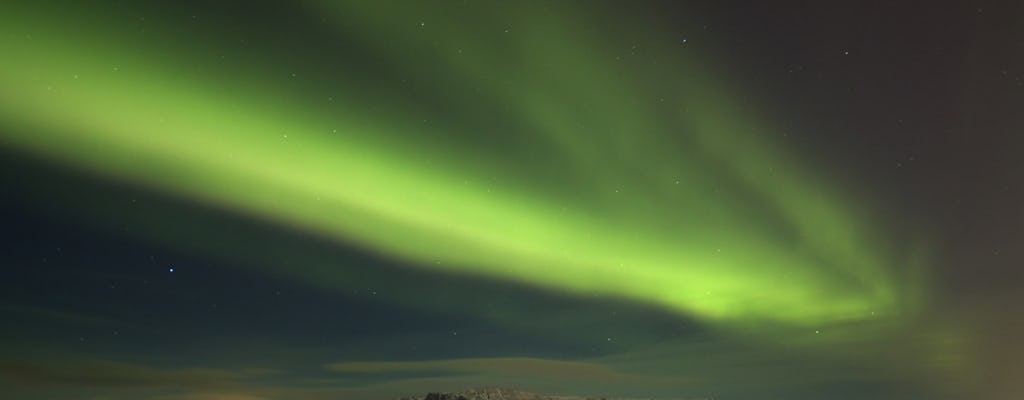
(444, 396)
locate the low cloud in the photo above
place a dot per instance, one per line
(104, 373)
(513, 366)
(548, 375)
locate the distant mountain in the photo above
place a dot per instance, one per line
(508, 394)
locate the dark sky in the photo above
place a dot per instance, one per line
(365, 200)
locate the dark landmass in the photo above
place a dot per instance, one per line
(510, 394)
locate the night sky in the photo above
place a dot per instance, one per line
(242, 200)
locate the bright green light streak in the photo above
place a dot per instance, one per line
(721, 227)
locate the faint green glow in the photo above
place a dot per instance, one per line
(683, 205)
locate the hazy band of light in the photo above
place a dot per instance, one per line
(690, 208)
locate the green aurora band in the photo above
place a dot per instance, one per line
(519, 144)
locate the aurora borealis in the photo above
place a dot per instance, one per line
(328, 199)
